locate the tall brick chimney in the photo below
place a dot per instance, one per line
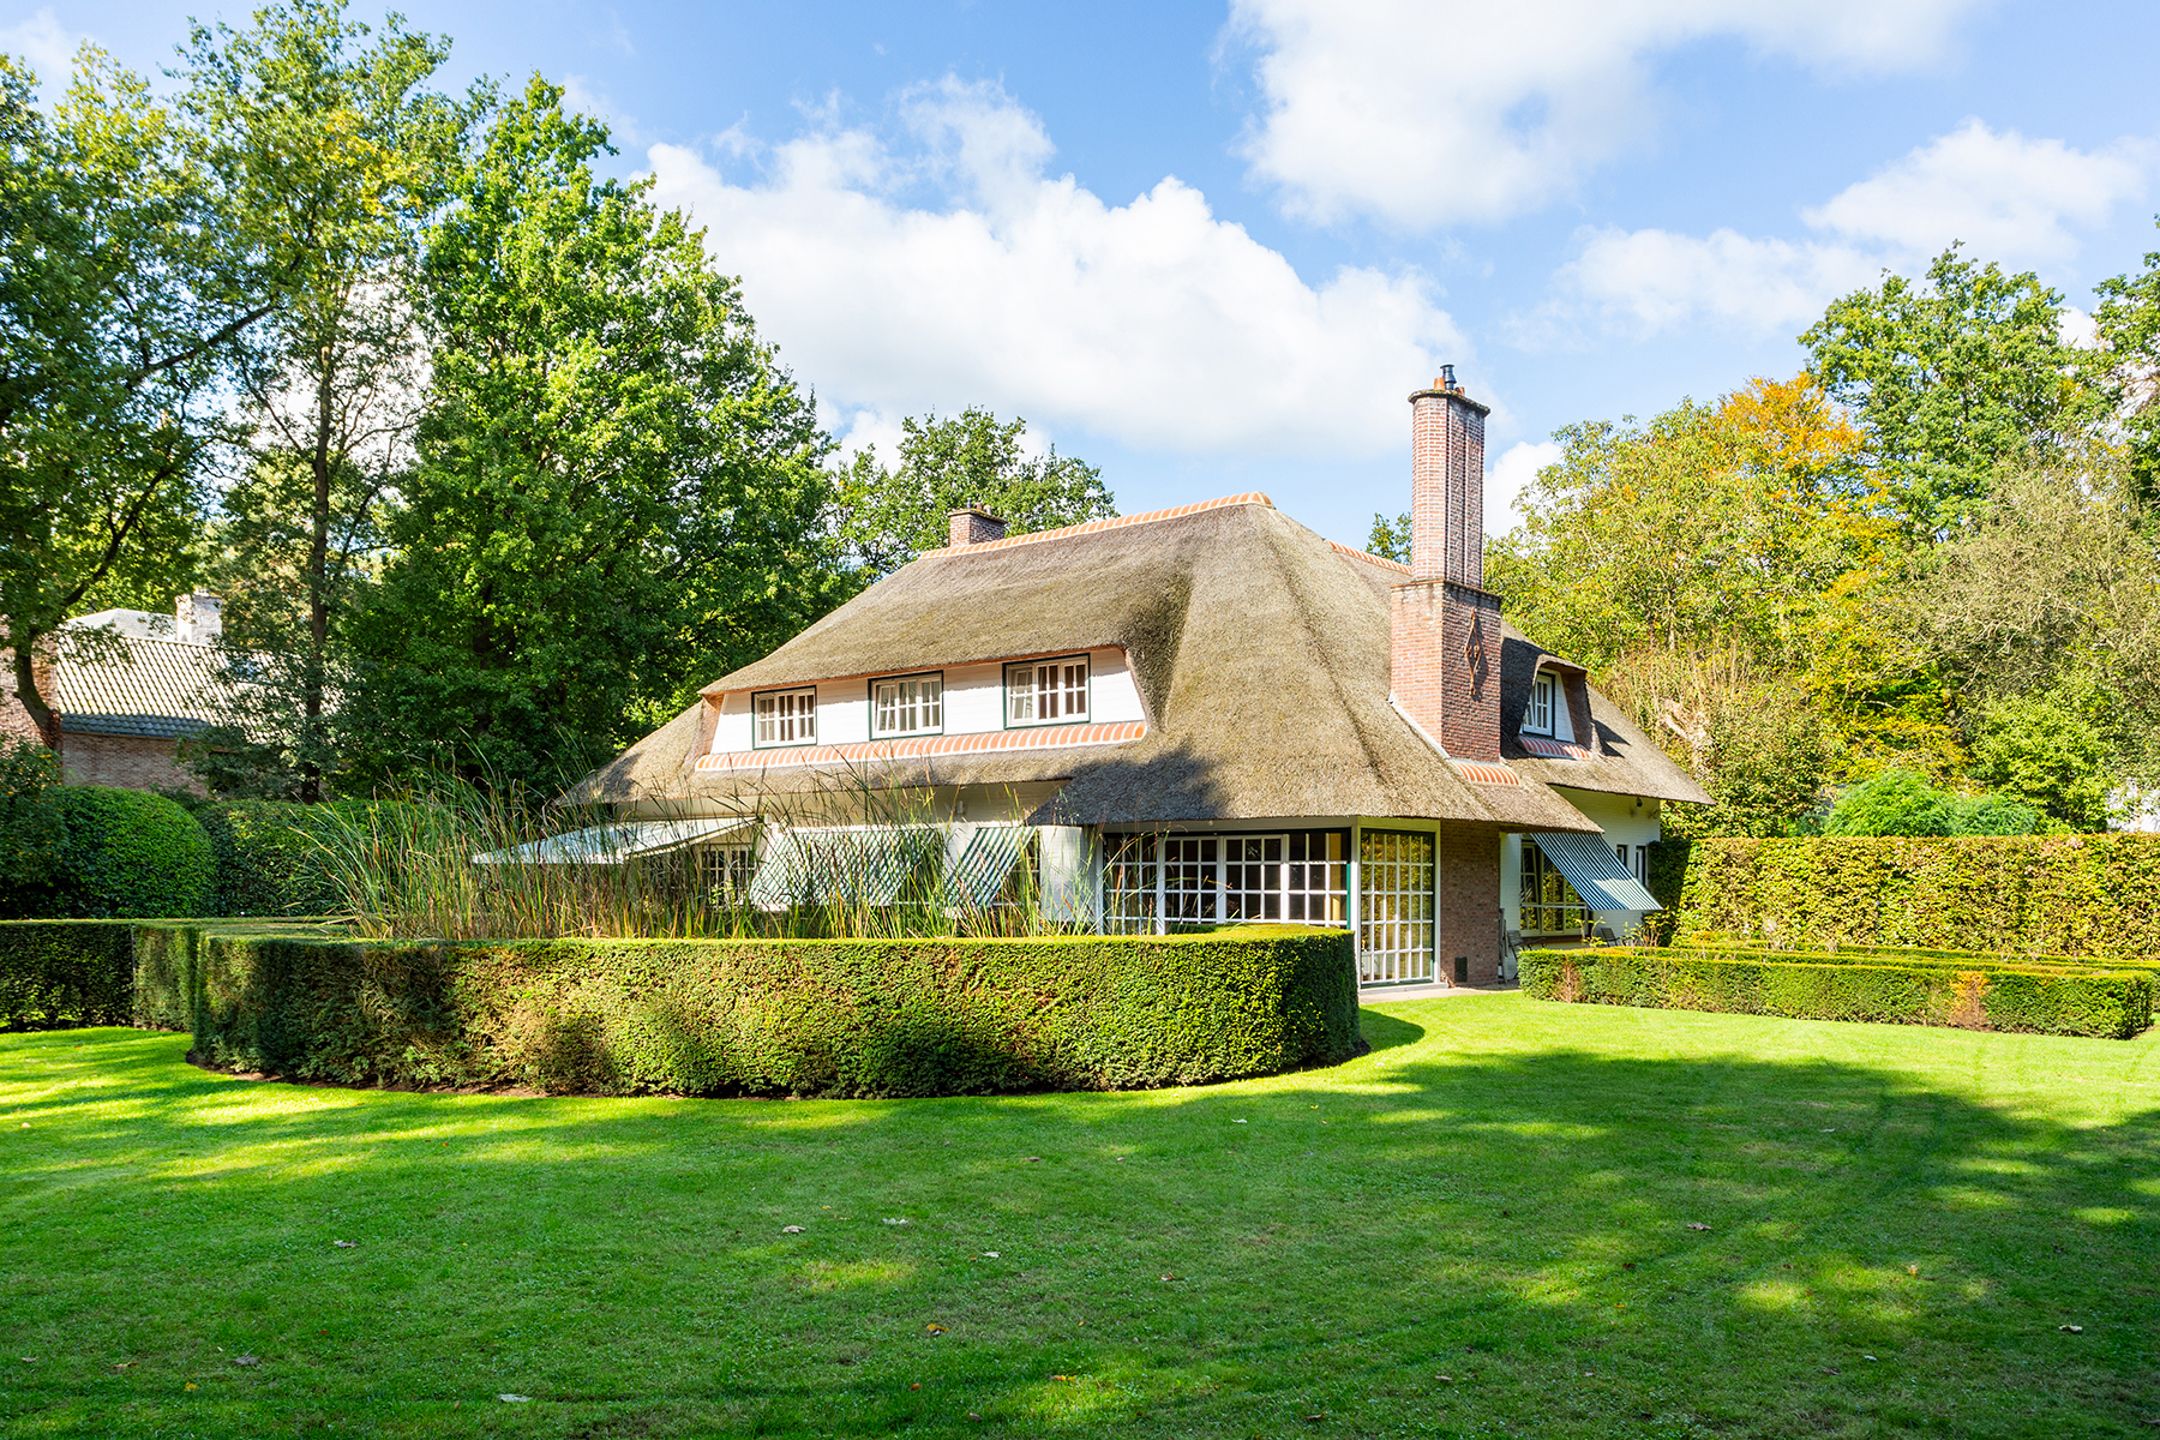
(1445, 641)
(973, 525)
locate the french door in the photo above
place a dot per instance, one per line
(1396, 932)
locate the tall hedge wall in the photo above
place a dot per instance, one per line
(2095, 895)
(777, 1017)
(1983, 995)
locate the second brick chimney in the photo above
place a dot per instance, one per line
(974, 526)
(1444, 655)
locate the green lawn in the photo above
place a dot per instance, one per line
(1485, 1226)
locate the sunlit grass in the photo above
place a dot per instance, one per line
(1501, 1194)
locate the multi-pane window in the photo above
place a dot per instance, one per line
(724, 870)
(1153, 883)
(1544, 701)
(908, 705)
(1047, 692)
(1313, 886)
(1550, 905)
(1395, 906)
(786, 717)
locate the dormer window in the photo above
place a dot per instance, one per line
(1544, 704)
(907, 705)
(785, 717)
(1047, 692)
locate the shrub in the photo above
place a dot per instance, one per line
(1901, 802)
(124, 853)
(2086, 895)
(788, 1017)
(1989, 995)
(26, 825)
(271, 858)
(56, 974)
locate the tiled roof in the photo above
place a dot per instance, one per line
(159, 689)
(1554, 749)
(921, 747)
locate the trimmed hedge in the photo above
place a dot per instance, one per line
(1983, 994)
(821, 1017)
(2090, 895)
(119, 853)
(56, 974)
(716, 1017)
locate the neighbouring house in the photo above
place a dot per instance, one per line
(1200, 715)
(128, 687)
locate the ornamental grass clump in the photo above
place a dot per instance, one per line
(462, 862)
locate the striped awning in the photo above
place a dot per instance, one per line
(614, 844)
(866, 867)
(978, 875)
(1596, 872)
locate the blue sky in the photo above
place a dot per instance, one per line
(1211, 249)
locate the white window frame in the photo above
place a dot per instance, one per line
(1179, 879)
(927, 704)
(794, 718)
(1034, 686)
(1544, 706)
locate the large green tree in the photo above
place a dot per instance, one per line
(331, 131)
(2128, 319)
(618, 493)
(1950, 376)
(889, 516)
(122, 295)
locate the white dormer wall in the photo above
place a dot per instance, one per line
(1563, 720)
(974, 702)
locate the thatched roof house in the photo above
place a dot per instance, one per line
(1218, 714)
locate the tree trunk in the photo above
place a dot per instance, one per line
(32, 699)
(311, 679)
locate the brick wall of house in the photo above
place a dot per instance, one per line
(14, 719)
(1470, 902)
(131, 762)
(1444, 664)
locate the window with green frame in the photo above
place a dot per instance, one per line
(1550, 905)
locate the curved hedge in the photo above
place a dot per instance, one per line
(777, 1017)
(1975, 993)
(119, 853)
(2092, 895)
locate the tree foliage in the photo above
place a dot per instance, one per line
(888, 517)
(617, 493)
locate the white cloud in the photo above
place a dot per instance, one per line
(2005, 196)
(1424, 115)
(48, 46)
(1509, 476)
(946, 265)
(2008, 198)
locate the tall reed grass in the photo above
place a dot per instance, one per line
(462, 862)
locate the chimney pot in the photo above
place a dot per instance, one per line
(973, 525)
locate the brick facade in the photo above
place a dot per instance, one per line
(1444, 641)
(1444, 661)
(1447, 485)
(15, 721)
(132, 762)
(1469, 865)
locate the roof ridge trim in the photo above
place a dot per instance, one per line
(1114, 522)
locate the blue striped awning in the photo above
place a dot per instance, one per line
(1596, 873)
(862, 867)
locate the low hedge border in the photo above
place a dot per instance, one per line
(715, 1017)
(2112, 1001)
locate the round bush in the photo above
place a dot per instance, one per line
(125, 853)
(270, 858)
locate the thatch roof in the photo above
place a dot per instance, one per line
(1625, 761)
(1261, 651)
